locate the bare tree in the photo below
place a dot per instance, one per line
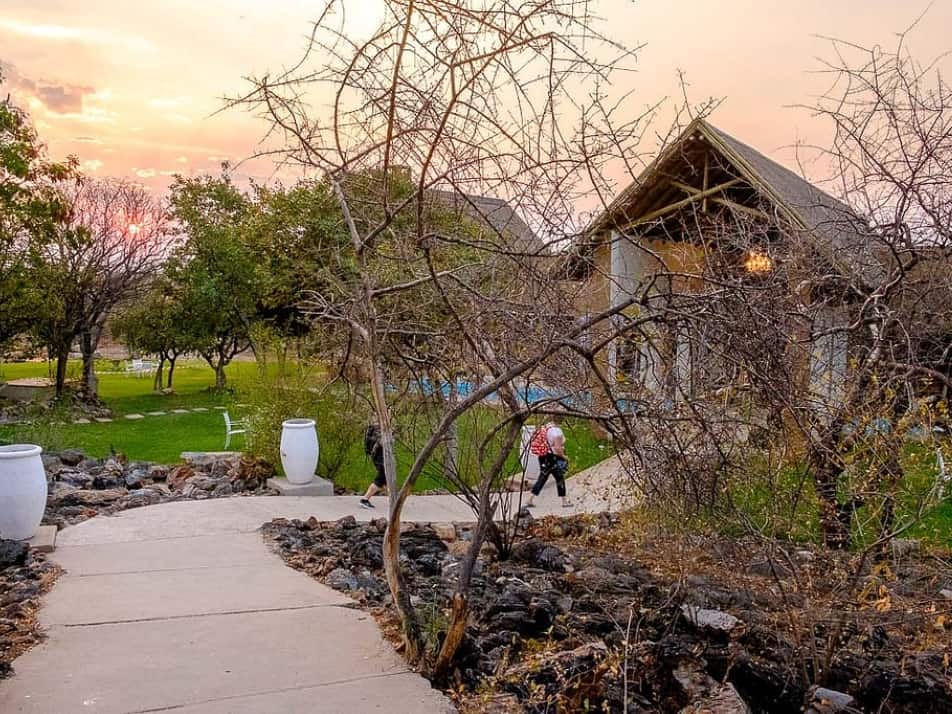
(449, 102)
(113, 241)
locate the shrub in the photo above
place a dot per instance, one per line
(300, 392)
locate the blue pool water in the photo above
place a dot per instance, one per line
(531, 395)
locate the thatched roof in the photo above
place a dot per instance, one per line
(494, 213)
(835, 229)
(503, 225)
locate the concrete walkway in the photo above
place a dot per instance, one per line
(181, 607)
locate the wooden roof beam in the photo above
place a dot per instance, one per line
(721, 201)
(687, 188)
(707, 156)
(671, 207)
(740, 208)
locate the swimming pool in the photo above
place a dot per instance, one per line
(527, 395)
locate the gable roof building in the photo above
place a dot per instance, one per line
(709, 202)
(708, 166)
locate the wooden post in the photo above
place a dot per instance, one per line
(707, 155)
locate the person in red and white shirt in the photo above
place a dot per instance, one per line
(548, 444)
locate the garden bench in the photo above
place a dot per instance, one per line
(140, 367)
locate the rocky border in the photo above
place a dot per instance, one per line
(81, 487)
(554, 627)
(25, 577)
(71, 406)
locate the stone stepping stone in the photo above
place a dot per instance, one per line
(82, 421)
(134, 417)
(103, 420)
(155, 413)
(222, 409)
(180, 411)
(200, 409)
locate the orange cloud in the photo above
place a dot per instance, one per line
(62, 98)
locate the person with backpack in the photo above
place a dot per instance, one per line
(548, 444)
(374, 450)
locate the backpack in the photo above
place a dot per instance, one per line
(371, 440)
(539, 442)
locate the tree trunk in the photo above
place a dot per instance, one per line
(459, 611)
(485, 525)
(157, 379)
(171, 370)
(62, 357)
(283, 359)
(455, 631)
(224, 359)
(88, 343)
(835, 518)
(217, 367)
(260, 352)
(216, 360)
(413, 640)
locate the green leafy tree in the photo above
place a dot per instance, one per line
(298, 236)
(156, 325)
(215, 268)
(31, 208)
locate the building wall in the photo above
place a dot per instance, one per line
(622, 264)
(594, 294)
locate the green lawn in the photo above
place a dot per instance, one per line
(163, 438)
(159, 439)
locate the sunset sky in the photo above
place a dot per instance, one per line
(130, 88)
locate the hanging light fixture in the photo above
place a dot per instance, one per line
(758, 262)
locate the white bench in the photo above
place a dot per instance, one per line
(140, 367)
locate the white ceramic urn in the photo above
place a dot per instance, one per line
(299, 450)
(530, 462)
(22, 490)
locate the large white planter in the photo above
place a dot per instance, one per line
(299, 450)
(22, 490)
(530, 462)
